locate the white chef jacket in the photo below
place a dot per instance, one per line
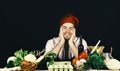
(53, 42)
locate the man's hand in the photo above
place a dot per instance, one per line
(61, 35)
(71, 40)
(60, 44)
(72, 45)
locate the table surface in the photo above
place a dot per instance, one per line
(1, 69)
(84, 70)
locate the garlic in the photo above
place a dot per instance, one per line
(82, 61)
(78, 63)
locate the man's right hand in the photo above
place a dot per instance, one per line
(60, 44)
(61, 35)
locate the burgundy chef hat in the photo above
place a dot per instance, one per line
(70, 18)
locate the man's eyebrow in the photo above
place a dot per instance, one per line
(71, 27)
(63, 26)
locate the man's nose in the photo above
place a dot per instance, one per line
(68, 30)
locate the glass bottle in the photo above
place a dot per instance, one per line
(80, 47)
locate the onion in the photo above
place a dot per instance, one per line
(30, 57)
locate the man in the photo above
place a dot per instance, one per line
(66, 45)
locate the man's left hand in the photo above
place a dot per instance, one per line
(71, 40)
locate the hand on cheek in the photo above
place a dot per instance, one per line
(73, 36)
(61, 35)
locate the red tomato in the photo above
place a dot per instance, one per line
(83, 55)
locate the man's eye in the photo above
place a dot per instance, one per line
(71, 28)
(64, 27)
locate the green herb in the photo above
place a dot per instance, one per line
(95, 61)
(10, 64)
(50, 57)
(48, 60)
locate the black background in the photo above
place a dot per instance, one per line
(29, 24)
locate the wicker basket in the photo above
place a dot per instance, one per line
(28, 66)
(99, 49)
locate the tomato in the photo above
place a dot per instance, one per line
(83, 55)
(74, 60)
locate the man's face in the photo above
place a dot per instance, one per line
(67, 29)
